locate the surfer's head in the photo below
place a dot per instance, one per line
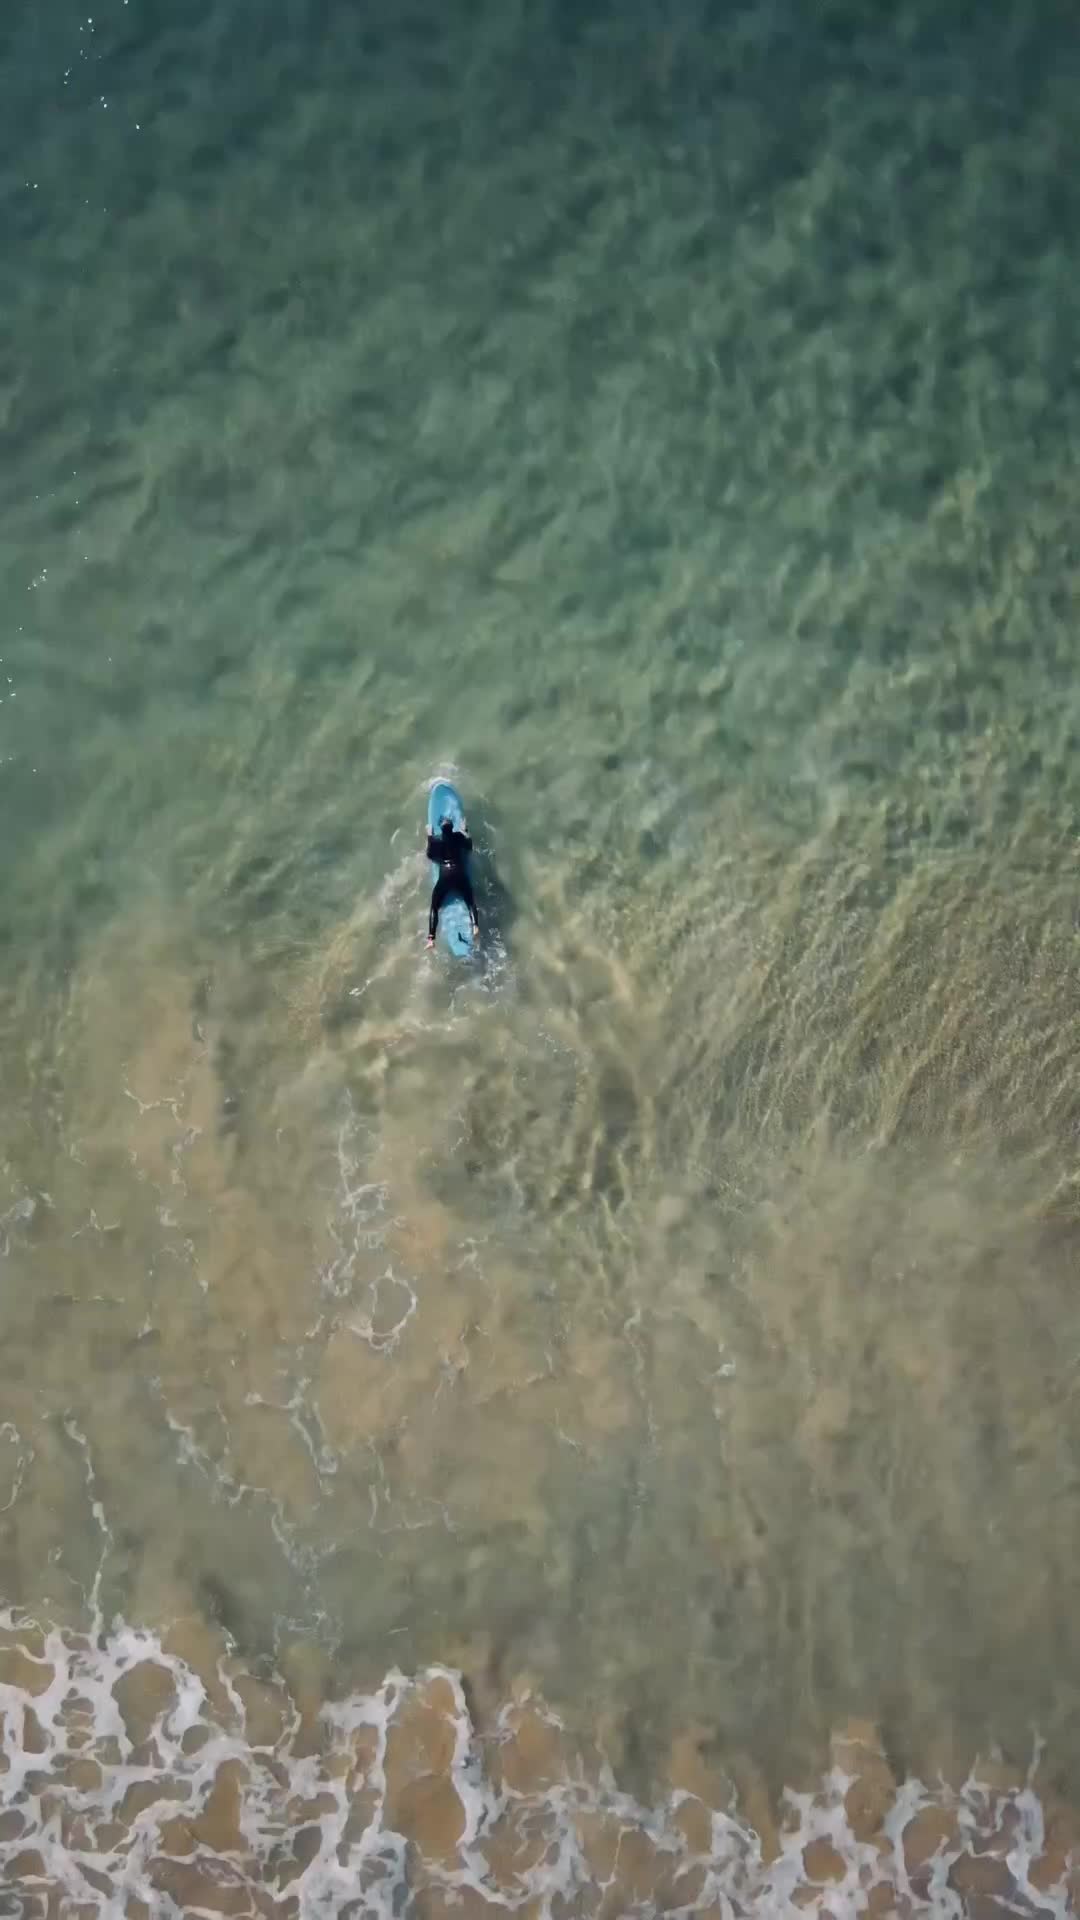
(448, 828)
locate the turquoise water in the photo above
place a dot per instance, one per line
(663, 422)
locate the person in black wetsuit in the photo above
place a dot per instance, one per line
(449, 852)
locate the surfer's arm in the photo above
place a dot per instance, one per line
(434, 849)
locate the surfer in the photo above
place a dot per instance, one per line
(449, 851)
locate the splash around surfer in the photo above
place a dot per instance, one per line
(449, 851)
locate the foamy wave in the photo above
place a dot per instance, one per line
(132, 1783)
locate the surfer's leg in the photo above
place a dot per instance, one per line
(438, 895)
(467, 894)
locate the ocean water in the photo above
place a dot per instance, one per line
(595, 1431)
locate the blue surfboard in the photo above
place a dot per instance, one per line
(455, 927)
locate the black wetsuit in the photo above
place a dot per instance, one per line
(450, 851)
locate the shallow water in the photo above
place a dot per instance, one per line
(656, 1344)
